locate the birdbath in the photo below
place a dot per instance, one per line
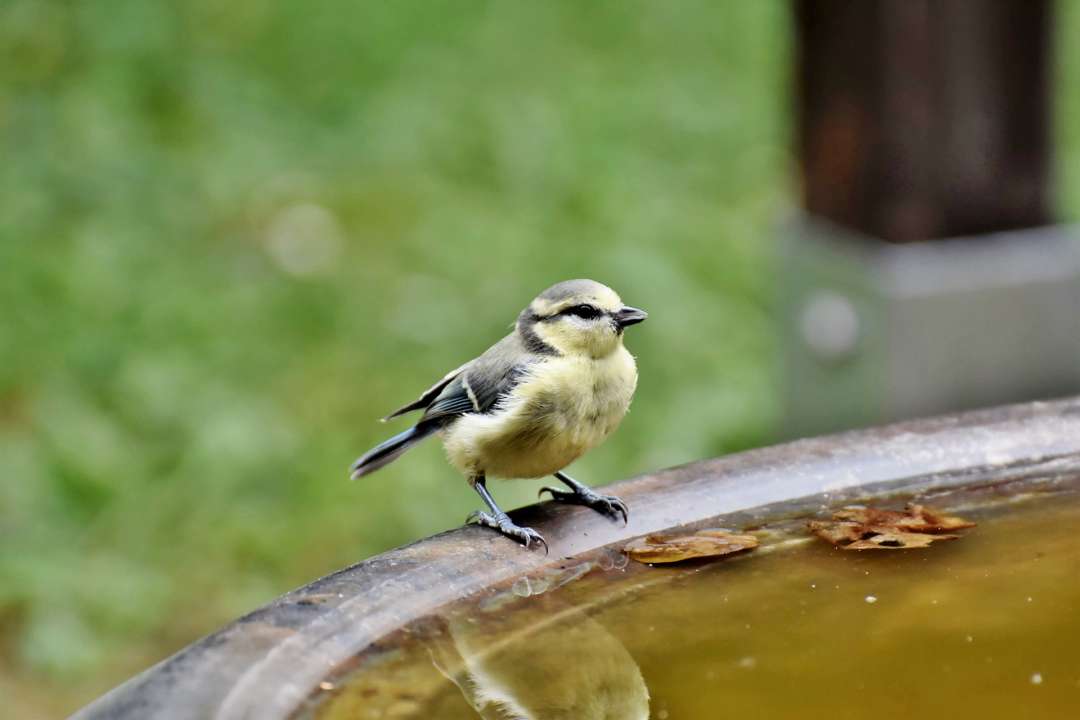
(468, 624)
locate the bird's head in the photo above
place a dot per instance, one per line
(578, 317)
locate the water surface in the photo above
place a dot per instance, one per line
(986, 626)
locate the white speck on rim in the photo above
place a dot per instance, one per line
(1036, 679)
(969, 638)
(871, 599)
(747, 662)
(1030, 598)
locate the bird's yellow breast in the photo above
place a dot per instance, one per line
(561, 409)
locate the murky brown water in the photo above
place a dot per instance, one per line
(984, 627)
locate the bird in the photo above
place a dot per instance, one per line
(551, 664)
(554, 388)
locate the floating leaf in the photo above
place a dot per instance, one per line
(915, 518)
(897, 541)
(866, 528)
(677, 548)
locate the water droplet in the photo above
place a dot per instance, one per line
(1036, 679)
(871, 599)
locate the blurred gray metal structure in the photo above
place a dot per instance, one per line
(876, 330)
(925, 275)
(267, 664)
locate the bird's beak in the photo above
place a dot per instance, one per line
(629, 316)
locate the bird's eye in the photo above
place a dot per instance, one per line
(582, 311)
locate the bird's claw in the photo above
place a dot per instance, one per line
(608, 505)
(502, 522)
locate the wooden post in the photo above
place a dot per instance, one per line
(923, 119)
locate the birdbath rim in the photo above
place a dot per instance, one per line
(267, 663)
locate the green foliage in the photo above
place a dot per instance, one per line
(236, 234)
(1067, 54)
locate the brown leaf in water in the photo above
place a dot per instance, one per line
(897, 541)
(677, 548)
(915, 518)
(866, 528)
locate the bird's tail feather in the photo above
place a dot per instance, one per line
(390, 450)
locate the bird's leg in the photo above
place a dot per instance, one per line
(499, 520)
(582, 495)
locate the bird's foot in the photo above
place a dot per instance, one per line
(501, 521)
(608, 505)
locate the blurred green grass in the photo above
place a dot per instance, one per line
(233, 235)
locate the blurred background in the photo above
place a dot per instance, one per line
(233, 235)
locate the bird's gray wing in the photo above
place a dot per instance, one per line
(428, 395)
(481, 384)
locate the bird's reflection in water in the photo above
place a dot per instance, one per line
(563, 667)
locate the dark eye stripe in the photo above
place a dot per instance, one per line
(587, 312)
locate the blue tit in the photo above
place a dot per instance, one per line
(565, 666)
(536, 401)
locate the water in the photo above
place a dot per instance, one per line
(986, 626)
